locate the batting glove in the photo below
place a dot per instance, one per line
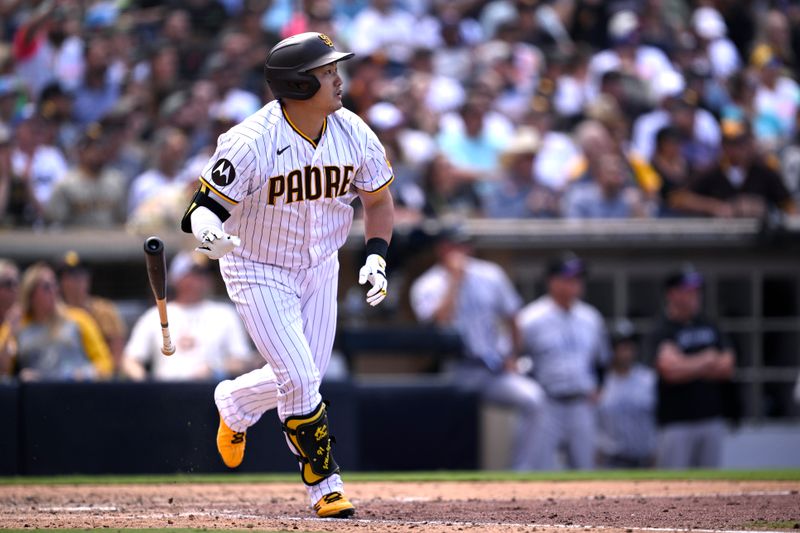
(215, 243)
(374, 271)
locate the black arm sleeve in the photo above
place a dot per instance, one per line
(202, 198)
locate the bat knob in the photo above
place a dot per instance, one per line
(153, 245)
(168, 350)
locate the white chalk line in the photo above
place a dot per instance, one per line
(78, 509)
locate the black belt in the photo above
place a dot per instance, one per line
(569, 398)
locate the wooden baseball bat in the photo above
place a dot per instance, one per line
(157, 274)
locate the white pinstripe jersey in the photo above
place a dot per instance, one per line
(289, 197)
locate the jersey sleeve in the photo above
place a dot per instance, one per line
(375, 171)
(231, 173)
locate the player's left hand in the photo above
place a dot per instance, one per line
(374, 271)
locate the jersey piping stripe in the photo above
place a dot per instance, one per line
(300, 133)
(379, 189)
(207, 184)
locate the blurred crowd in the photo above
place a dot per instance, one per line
(487, 108)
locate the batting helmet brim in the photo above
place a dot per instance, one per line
(331, 57)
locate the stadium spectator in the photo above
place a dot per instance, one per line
(604, 193)
(469, 143)
(100, 88)
(91, 194)
(777, 94)
(741, 185)
(517, 193)
(476, 299)
(75, 280)
(567, 342)
(627, 55)
(170, 153)
(767, 127)
(369, 34)
(694, 361)
(448, 191)
(55, 341)
(9, 314)
(8, 181)
(673, 171)
(719, 52)
(39, 169)
(210, 342)
(627, 405)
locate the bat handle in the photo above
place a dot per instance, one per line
(167, 348)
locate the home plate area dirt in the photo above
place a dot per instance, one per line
(622, 506)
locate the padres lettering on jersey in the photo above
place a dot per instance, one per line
(312, 183)
(289, 196)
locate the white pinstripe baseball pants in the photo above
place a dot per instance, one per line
(291, 317)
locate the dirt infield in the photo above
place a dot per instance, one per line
(622, 506)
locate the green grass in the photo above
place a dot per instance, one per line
(436, 476)
(773, 524)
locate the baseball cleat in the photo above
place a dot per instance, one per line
(230, 444)
(334, 505)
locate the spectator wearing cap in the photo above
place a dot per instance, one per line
(567, 342)
(55, 341)
(627, 404)
(38, 169)
(517, 194)
(9, 314)
(477, 300)
(694, 361)
(740, 185)
(91, 194)
(75, 280)
(209, 337)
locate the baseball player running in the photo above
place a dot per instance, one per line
(273, 206)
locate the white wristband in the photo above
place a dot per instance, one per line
(202, 218)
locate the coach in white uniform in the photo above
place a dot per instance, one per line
(274, 206)
(476, 299)
(567, 340)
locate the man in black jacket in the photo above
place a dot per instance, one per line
(695, 364)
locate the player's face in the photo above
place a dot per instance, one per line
(329, 95)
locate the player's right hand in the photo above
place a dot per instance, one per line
(215, 243)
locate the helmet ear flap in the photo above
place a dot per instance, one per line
(292, 84)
